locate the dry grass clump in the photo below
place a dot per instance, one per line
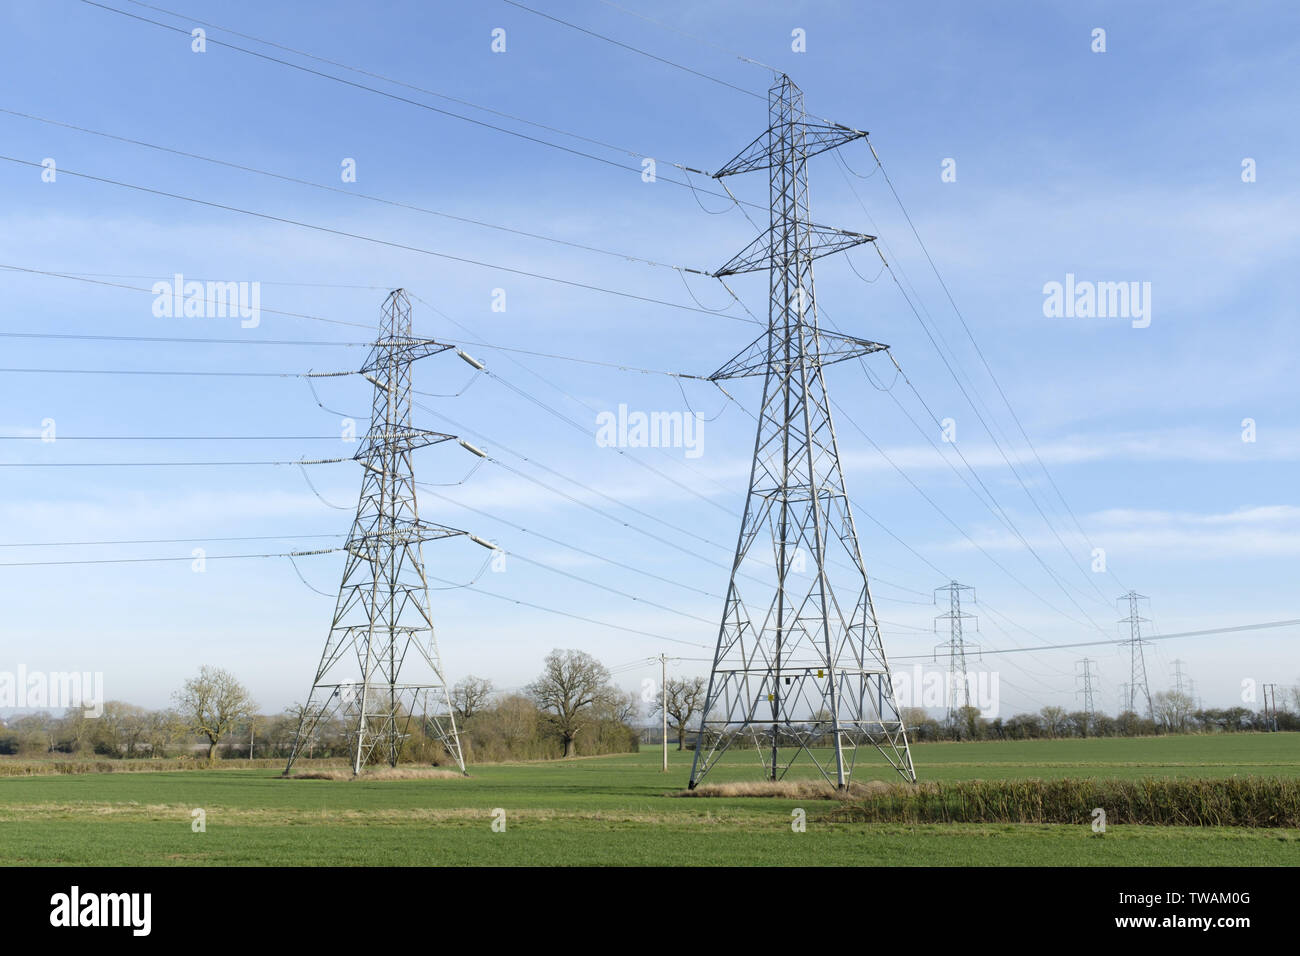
(786, 789)
(385, 773)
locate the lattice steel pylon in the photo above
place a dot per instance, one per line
(958, 681)
(1088, 691)
(383, 625)
(1137, 683)
(799, 662)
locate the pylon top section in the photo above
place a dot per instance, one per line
(784, 148)
(787, 248)
(396, 345)
(769, 149)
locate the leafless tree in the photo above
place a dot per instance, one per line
(1054, 722)
(570, 685)
(517, 717)
(685, 699)
(469, 696)
(212, 703)
(124, 727)
(1173, 709)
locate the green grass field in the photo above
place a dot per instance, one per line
(618, 810)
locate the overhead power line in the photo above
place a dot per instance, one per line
(979, 351)
(1124, 640)
(972, 398)
(638, 50)
(84, 544)
(284, 220)
(425, 106)
(689, 36)
(639, 154)
(164, 464)
(187, 557)
(359, 195)
(171, 371)
(171, 340)
(60, 438)
(132, 288)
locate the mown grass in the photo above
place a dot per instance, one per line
(620, 810)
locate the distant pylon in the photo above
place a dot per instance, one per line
(1087, 692)
(1270, 707)
(1179, 682)
(1138, 690)
(380, 669)
(800, 665)
(958, 681)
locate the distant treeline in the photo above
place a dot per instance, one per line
(1176, 717)
(571, 709)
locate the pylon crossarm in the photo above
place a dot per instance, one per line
(404, 350)
(817, 138)
(820, 241)
(830, 349)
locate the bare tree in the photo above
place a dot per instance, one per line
(571, 683)
(162, 729)
(124, 727)
(516, 716)
(470, 696)
(685, 699)
(1173, 709)
(1053, 720)
(622, 707)
(212, 703)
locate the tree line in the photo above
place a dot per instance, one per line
(1172, 712)
(572, 708)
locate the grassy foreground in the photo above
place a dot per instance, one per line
(620, 810)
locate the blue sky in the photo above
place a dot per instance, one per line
(1117, 166)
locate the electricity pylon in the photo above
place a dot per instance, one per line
(380, 669)
(1180, 685)
(799, 662)
(1137, 683)
(956, 648)
(1270, 709)
(1087, 692)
